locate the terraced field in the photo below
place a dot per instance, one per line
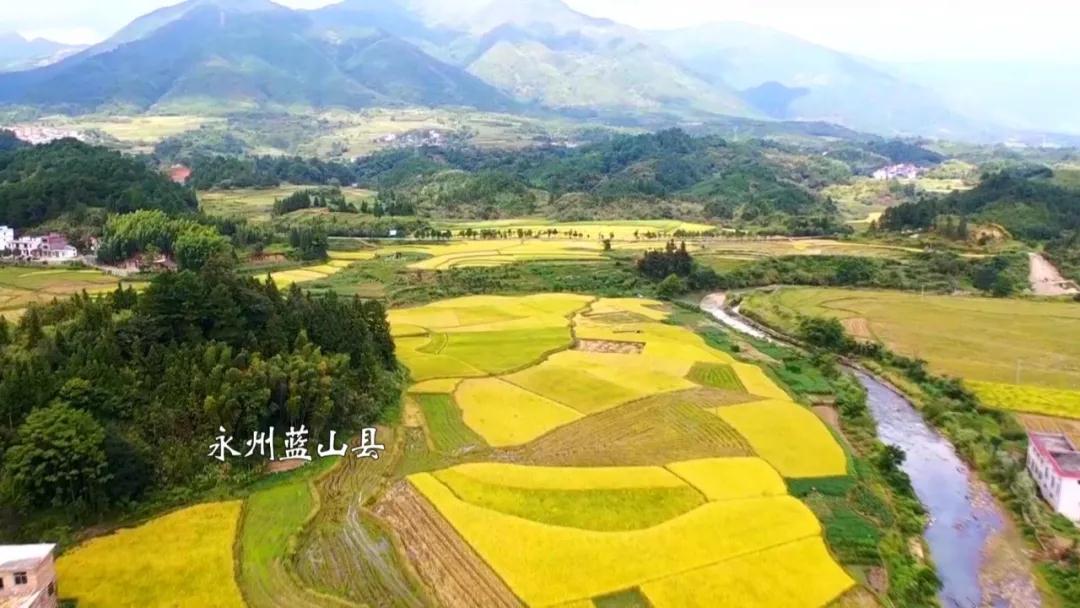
(21, 286)
(601, 460)
(338, 262)
(1016, 354)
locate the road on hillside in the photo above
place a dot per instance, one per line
(1047, 281)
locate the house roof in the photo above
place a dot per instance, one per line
(1061, 453)
(14, 557)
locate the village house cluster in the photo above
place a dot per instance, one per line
(27, 576)
(1054, 464)
(51, 247)
(897, 172)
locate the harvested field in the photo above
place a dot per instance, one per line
(652, 431)
(1047, 424)
(974, 338)
(345, 550)
(610, 346)
(451, 569)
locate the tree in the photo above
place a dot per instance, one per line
(827, 333)
(671, 287)
(58, 458)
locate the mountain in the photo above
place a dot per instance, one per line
(19, 53)
(223, 55)
(243, 54)
(793, 79)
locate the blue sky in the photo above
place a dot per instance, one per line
(909, 30)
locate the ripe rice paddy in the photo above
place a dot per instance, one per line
(285, 278)
(21, 286)
(621, 229)
(186, 554)
(1017, 354)
(571, 559)
(619, 456)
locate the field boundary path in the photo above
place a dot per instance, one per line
(1046, 280)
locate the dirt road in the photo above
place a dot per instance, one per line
(1047, 281)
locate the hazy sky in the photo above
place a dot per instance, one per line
(883, 29)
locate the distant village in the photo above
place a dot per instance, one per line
(897, 172)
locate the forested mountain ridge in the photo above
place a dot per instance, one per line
(659, 175)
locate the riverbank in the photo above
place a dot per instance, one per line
(979, 554)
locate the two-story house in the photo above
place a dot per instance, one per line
(27, 576)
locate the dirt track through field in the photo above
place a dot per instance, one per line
(1047, 281)
(453, 571)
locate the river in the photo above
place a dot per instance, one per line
(964, 518)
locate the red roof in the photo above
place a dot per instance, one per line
(179, 174)
(1061, 453)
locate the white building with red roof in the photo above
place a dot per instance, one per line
(1054, 463)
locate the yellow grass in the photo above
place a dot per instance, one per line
(183, 558)
(788, 436)
(566, 478)
(799, 574)
(552, 564)
(506, 415)
(731, 478)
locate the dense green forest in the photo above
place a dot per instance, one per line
(118, 399)
(1024, 202)
(40, 183)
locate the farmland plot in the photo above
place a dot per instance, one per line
(585, 456)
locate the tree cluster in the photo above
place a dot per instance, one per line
(104, 401)
(40, 183)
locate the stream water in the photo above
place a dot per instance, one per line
(963, 515)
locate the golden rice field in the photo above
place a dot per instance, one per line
(742, 522)
(621, 229)
(285, 278)
(183, 558)
(1017, 354)
(520, 351)
(21, 286)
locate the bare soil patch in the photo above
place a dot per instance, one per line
(610, 346)
(858, 328)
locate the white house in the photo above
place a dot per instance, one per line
(1054, 463)
(51, 247)
(27, 576)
